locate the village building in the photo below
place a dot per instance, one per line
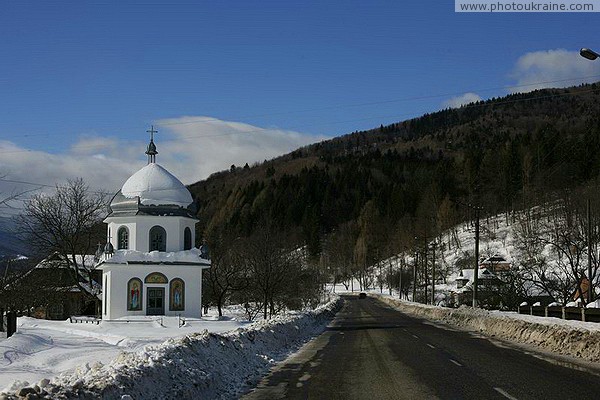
(150, 265)
(58, 287)
(488, 285)
(496, 264)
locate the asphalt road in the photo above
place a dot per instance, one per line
(373, 352)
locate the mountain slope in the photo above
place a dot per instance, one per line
(411, 175)
(9, 244)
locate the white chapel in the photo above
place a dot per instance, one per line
(150, 265)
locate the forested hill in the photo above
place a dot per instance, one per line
(410, 177)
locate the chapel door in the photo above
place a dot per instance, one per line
(156, 301)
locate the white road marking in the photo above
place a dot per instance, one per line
(430, 345)
(455, 362)
(415, 336)
(503, 393)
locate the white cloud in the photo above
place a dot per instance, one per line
(210, 145)
(553, 68)
(189, 147)
(458, 101)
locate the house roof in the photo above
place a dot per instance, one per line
(495, 259)
(467, 275)
(56, 261)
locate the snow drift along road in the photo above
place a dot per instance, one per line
(570, 338)
(201, 365)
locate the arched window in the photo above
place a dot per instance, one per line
(177, 295)
(134, 294)
(158, 238)
(123, 238)
(187, 239)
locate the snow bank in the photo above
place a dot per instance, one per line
(45, 349)
(199, 365)
(571, 338)
(124, 256)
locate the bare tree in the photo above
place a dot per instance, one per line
(279, 275)
(338, 250)
(227, 273)
(66, 223)
(559, 230)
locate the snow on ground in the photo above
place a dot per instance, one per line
(195, 362)
(43, 349)
(455, 252)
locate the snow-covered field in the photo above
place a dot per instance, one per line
(144, 359)
(43, 349)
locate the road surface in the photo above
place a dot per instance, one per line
(373, 352)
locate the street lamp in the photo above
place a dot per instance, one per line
(589, 54)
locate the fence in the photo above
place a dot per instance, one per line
(574, 313)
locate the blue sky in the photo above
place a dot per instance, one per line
(94, 74)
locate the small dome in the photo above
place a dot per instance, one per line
(151, 150)
(156, 186)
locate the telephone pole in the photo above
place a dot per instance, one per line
(589, 252)
(416, 260)
(425, 275)
(476, 270)
(389, 279)
(400, 278)
(433, 274)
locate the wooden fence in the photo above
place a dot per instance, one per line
(574, 313)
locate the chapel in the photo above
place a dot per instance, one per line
(149, 263)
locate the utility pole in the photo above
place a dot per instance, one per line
(416, 260)
(433, 275)
(380, 277)
(589, 252)
(476, 270)
(425, 275)
(389, 279)
(400, 279)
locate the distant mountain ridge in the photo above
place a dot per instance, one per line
(10, 245)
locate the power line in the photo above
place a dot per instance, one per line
(40, 185)
(353, 105)
(473, 105)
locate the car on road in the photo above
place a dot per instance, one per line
(362, 295)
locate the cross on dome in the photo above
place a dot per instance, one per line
(151, 150)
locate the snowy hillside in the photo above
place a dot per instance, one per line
(545, 253)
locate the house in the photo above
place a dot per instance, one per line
(56, 289)
(487, 286)
(150, 265)
(496, 264)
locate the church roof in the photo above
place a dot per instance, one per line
(185, 257)
(156, 186)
